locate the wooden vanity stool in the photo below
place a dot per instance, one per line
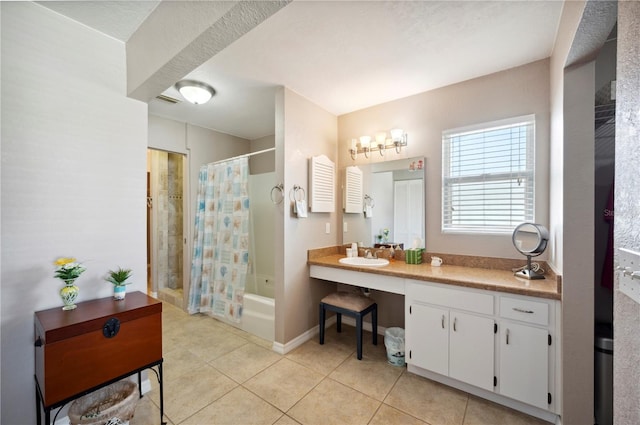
(354, 305)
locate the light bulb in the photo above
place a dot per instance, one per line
(396, 134)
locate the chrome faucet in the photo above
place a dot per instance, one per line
(367, 254)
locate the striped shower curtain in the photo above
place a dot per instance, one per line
(221, 240)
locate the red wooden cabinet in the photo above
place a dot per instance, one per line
(99, 342)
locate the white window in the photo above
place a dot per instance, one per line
(488, 176)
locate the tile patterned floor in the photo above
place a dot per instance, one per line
(217, 374)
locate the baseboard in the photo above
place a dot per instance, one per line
(346, 320)
(306, 336)
(300, 339)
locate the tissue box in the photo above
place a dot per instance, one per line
(413, 255)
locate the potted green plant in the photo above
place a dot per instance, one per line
(119, 279)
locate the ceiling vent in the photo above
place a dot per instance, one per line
(167, 99)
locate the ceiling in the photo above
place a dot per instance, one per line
(343, 55)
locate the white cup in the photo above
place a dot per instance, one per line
(436, 261)
(349, 252)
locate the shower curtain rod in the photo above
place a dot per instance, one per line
(242, 156)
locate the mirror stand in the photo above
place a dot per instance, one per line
(528, 273)
(530, 239)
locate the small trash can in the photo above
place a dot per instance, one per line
(603, 373)
(394, 343)
(111, 405)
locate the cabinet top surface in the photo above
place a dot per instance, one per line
(471, 277)
(87, 311)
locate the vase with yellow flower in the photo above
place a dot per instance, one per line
(68, 270)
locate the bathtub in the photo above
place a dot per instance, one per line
(260, 284)
(258, 316)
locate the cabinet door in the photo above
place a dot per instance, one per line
(524, 357)
(471, 349)
(428, 333)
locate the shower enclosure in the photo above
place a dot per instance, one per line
(258, 315)
(165, 226)
(232, 269)
(261, 250)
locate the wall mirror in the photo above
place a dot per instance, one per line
(397, 191)
(530, 239)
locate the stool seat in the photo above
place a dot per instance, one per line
(351, 304)
(348, 301)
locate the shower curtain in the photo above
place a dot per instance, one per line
(221, 240)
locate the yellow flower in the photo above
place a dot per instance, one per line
(64, 260)
(67, 268)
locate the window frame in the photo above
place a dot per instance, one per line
(528, 175)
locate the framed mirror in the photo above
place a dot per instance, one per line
(396, 189)
(530, 239)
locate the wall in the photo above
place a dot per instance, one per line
(583, 29)
(514, 92)
(261, 183)
(578, 241)
(73, 181)
(302, 130)
(626, 375)
(264, 162)
(167, 135)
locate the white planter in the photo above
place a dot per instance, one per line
(119, 292)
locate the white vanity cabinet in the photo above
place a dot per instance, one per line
(495, 345)
(448, 333)
(526, 350)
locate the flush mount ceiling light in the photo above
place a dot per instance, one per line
(195, 91)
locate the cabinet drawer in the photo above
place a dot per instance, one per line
(452, 298)
(536, 312)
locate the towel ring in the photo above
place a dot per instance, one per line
(369, 201)
(275, 198)
(293, 193)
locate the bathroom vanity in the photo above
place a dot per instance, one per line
(478, 329)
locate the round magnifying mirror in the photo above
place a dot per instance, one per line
(531, 240)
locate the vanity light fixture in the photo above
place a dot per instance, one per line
(382, 143)
(195, 92)
(399, 138)
(354, 149)
(381, 139)
(365, 143)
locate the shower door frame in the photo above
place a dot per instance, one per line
(186, 240)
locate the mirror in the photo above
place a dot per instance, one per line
(396, 190)
(530, 239)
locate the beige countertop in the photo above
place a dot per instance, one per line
(492, 279)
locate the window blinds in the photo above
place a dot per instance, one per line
(488, 176)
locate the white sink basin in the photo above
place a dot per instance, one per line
(361, 261)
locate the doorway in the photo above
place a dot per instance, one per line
(165, 226)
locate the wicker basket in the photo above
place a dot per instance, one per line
(115, 403)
